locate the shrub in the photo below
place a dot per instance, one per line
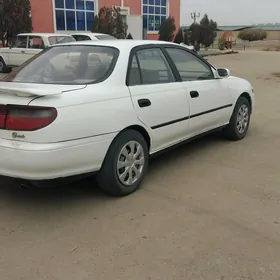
(252, 35)
(167, 29)
(129, 36)
(109, 21)
(222, 44)
(179, 38)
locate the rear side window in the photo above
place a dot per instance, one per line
(20, 42)
(67, 65)
(35, 42)
(53, 40)
(81, 37)
(105, 37)
(151, 67)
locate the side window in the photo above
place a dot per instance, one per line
(154, 67)
(134, 78)
(81, 37)
(21, 42)
(35, 42)
(189, 66)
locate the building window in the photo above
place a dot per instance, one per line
(154, 13)
(74, 15)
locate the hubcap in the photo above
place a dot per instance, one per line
(242, 119)
(130, 163)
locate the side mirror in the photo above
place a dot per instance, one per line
(223, 72)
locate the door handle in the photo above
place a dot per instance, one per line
(194, 94)
(144, 103)
(22, 51)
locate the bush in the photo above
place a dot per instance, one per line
(167, 29)
(252, 35)
(129, 36)
(179, 38)
(109, 21)
(222, 44)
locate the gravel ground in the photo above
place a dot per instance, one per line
(207, 210)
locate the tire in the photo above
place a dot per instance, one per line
(126, 178)
(233, 131)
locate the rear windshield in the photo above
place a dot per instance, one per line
(67, 65)
(105, 37)
(60, 39)
(81, 38)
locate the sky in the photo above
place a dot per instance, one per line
(232, 12)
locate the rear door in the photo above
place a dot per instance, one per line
(34, 46)
(80, 37)
(159, 101)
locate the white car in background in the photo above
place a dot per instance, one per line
(105, 106)
(87, 36)
(27, 45)
(188, 47)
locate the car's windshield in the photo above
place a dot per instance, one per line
(67, 65)
(60, 39)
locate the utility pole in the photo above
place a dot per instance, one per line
(195, 16)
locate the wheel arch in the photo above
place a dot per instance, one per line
(143, 131)
(248, 97)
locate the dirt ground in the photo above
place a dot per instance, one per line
(207, 210)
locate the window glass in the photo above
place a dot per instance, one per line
(154, 13)
(74, 15)
(105, 37)
(60, 39)
(134, 74)
(154, 67)
(81, 37)
(189, 66)
(67, 65)
(21, 42)
(35, 42)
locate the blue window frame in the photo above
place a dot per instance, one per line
(154, 13)
(74, 15)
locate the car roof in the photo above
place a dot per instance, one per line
(89, 33)
(120, 43)
(44, 34)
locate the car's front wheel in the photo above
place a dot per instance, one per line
(125, 164)
(240, 120)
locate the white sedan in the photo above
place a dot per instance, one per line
(26, 46)
(85, 36)
(105, 107)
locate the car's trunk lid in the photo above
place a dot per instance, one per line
(23, 93)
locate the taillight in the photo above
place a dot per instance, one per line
(26, 118)
(3, 111)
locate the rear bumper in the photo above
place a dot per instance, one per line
(50, 161)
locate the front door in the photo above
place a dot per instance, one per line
(34, 46)
(210, 102)
(159, 101)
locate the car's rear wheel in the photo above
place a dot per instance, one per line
(240, 120)
(125, 164)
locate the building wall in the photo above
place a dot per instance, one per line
(138, 18)
(42, 15)
(173, 11)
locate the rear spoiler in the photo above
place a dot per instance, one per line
(29, 92)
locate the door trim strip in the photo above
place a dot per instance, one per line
(191, 116)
